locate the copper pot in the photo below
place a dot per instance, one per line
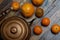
(15, 28)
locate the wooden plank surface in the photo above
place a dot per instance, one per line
(52, 11)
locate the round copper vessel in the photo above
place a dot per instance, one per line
(15, 28)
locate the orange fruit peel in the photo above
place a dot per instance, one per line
(37, 30)
(15, 5)
(55, 28)
(27, 10)
(37, 2)
(45, 21)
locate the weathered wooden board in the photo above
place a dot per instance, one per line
(52, 11)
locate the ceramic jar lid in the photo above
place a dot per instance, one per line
(14, 28)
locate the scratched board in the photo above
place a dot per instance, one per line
(52, 11)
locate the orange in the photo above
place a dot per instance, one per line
(27, 10)
(15, 6)
(39, 12)
(59, 25)
(55, 28)
(37, 30)
(45, 21)
(37, 2)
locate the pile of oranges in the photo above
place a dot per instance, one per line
(28, 9)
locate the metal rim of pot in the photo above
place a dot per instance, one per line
(27, 35)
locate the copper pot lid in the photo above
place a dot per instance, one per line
(14, 28)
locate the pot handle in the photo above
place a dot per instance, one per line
(30, 23)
